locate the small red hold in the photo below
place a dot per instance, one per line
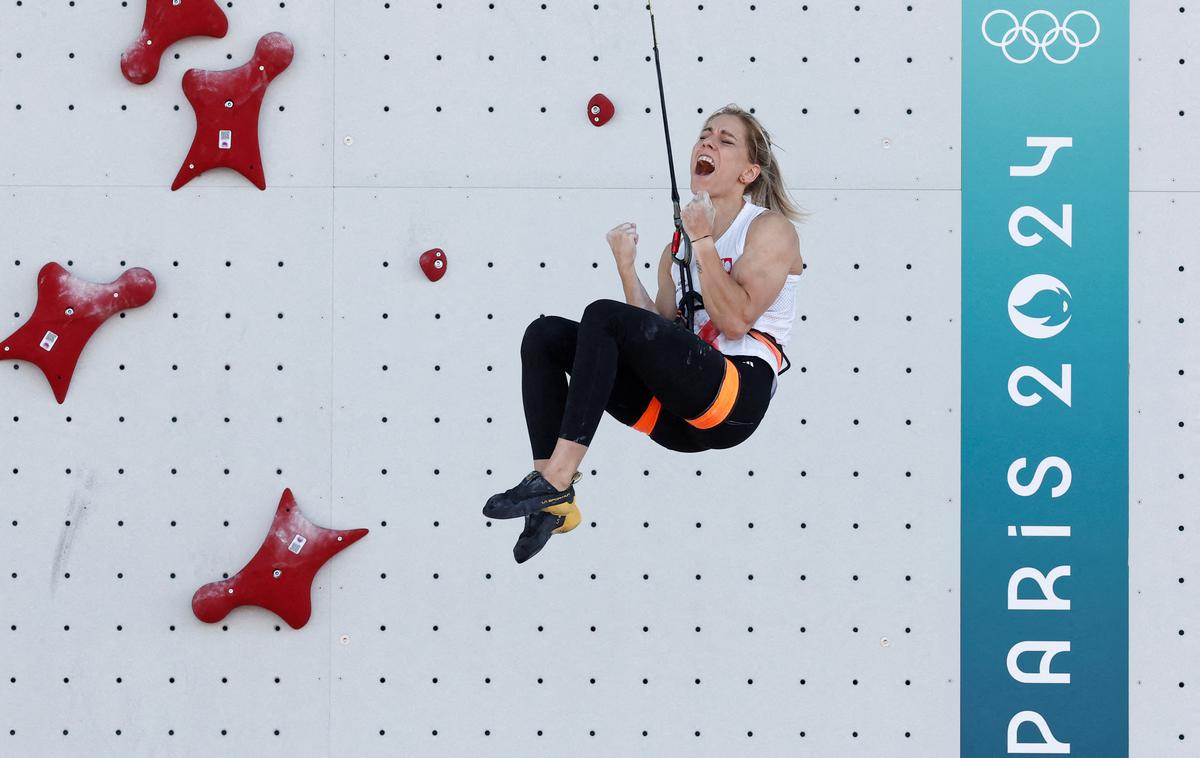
(433, 263)
(600, 110)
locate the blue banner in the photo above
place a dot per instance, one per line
(1045, 382)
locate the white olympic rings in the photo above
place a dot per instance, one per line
(1048, 39)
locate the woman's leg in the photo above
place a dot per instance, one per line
(670, 362)
(619, 357)
(547, 353)
(563, 463)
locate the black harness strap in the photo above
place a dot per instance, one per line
(777, 347)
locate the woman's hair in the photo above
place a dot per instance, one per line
(767, 189)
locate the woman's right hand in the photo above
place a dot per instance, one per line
(623, 241)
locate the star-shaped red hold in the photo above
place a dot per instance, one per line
(279, 576)
(167, 22)
(68, 311)
(227, 105)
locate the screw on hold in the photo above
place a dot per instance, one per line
(231, 590)
(433, 263)
(228, 103)
(884, 642)
(339, 538)
(600, 109)
(348, 140)
(277, 573)
(70, 311)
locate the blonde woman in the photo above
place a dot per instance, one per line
(687, 390)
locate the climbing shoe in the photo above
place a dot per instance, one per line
(554, 519)
(533, 494)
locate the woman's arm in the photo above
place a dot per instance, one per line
(635, 293)
(735, 301)
(623, 238)
(667, 306)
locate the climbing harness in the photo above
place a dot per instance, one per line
(691, 300)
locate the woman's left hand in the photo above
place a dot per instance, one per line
(698, 216)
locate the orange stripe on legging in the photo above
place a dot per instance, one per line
(723, 404)
(646, 423)
(774, 350)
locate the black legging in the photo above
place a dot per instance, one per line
(645, 371)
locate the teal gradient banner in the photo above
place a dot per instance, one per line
(1045, 380)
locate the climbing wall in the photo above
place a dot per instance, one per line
(796, 595)
(1164, 383)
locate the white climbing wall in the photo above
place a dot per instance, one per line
(796, 595)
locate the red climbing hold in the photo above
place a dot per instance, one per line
(227, 104)
(433, 263)
(279, 576)
(600, 110)
(167, 22)
(68, 311)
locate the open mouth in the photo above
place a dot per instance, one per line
(704, 167)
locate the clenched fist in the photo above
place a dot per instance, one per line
(623, 241)
(698, 216)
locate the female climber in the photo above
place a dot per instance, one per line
(688, 390)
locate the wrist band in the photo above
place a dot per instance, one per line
(699, 238)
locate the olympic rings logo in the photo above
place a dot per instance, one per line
(1046, 40)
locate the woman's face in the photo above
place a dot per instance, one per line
(721, 156)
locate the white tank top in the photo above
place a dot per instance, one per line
(776, 321)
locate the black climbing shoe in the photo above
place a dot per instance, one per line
(539, 526)
(533, 494)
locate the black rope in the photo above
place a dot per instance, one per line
(690, 302)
